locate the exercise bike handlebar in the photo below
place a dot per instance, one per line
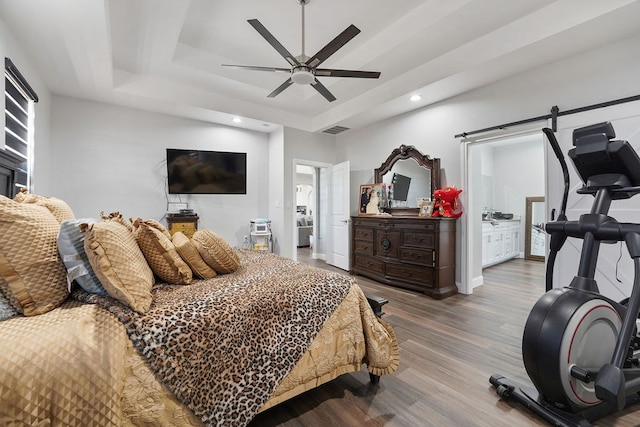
(602, 227)
(565, 170)
(557, 239)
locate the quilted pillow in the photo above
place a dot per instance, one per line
(71, 249)
(161, 254)
(119, 263)
(32, 275)
(155, 224)
(191, 256)
(215, 251)
(117, 217)
(57, 207)
(6, 310)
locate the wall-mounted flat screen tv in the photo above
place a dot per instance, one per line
(206, 172)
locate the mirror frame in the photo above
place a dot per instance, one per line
(409, 152)
(528, 226)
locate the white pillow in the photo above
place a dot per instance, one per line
(71, 249)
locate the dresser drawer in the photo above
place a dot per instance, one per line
(187, 228)
(369, 264)
(363, 233)
(364, 247)
(417, 225)
(417, 256)
(418, 239)
(368, 222)
(411, 273)
(387, 243)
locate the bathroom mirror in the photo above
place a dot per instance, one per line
(411, 175)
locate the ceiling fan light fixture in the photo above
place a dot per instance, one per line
(302, 75)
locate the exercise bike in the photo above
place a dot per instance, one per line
(580, 348)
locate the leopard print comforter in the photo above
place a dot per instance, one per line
(223, 345)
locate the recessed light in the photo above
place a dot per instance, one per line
(415, 98)
(237, 120)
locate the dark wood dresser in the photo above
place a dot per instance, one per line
(412, 252)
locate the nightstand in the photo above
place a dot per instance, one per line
(187, 224)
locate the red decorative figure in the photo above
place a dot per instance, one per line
(446, 203)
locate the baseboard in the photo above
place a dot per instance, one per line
(319, 256)
(477, 281)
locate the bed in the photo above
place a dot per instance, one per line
(214, 352)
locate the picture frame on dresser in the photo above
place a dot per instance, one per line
(372, 199)
(425, 207)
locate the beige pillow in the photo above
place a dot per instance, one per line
(161, 254)
(215, 251)
(117, 217)
(119, 263)
(32, 275)
(60, 210)
(155, 224)
(190, 254)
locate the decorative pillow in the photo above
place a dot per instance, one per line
(119, 263)
(6, 310)
(117, 217)
(57, 207)
(71, 249)
(32, 275)
(215, 251)
(155, 224)
(191, 256)
(161, 254)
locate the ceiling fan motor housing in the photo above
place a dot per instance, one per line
(302, 75)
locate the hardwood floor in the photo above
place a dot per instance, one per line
(448, 351)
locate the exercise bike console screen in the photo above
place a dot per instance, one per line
(595, 153)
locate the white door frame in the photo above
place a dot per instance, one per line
(468, 227)
(321, 211)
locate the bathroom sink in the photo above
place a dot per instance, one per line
(501, 215)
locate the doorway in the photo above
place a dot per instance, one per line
(500, 172)
(310, 213)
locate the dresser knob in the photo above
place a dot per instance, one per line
(385, 243)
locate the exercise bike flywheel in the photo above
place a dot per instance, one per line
(566, 329)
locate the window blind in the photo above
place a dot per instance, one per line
(19, 98)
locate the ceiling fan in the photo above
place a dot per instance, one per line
(304, 70)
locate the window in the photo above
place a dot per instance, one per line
(19, 113)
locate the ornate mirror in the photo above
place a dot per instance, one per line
(411, 175)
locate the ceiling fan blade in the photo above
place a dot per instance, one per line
(325, 72)
(280, 88)
(323, 91)
(254, 68)
(273, 42)
(333, 46)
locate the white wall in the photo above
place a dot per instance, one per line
(276, 188)
(108, 158)
(518, 173)
(603, 74)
